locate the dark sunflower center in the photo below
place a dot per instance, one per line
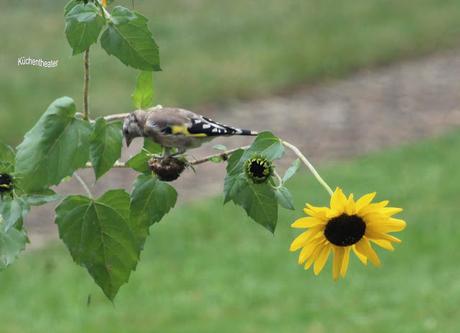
(6, 183)
(345, 230)
(259, 169)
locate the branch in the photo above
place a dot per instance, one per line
(83, 184)
(86, 86)
(223, 156)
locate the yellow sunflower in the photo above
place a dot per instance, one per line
(347, 225)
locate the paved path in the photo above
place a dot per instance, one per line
(370, 110)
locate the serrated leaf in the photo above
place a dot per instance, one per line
(151, 199)
(259, 202)
(139, 162)
(41, 198)
(128, 38)
(105, 146)
(13, 211)
(12, 242)
(100, 237)
(291, 170)
(83, 24)
(7, 157)
(143, 93)
(54, 148)
(265, 144)
(284, 198)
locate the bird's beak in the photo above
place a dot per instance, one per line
(128, 140)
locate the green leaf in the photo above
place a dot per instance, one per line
(233, 185)
(54, 148)
(83, 24)
(71, 4)
(291, 170)
(6, 158)
(143, 94)
(151, 199)
(105, 146)
(139, 162)
(129, 39)
(12, 242)
(284, 198)
(259, 202)
(265, 144)
(100, 237)
(41, 198)
(13, 211)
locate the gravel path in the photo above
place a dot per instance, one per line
(370, 110)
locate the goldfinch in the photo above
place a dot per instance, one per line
(175, 128)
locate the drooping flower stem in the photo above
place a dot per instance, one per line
(86, 86)
(310, 167)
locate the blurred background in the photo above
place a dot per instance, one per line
(369, 89)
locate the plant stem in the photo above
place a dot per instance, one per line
(309, 166)
(223, 155)
(83, 184)
(86, 86)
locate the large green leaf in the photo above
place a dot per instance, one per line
(284, 198)
(151, 199)
(143, 94)
(83, 24)
(100, 237)
(54, 148)
(128, 38)
(139, 162)
(105, 148)
(13, 210)
(259, 202)
(12, 242)
(6, 158)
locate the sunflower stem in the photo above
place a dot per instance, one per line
(83, 184)
(310, 167)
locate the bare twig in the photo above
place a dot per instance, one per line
(223, 155)
(86, 86)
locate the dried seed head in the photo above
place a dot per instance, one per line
(168, 168)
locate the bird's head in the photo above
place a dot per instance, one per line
(133, 126)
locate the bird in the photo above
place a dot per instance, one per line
(176, 128)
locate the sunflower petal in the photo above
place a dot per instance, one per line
(365, 200)
(306, 222)
(322, 259)
(345, 261)
(338, 258)
(365, 248)
(360, 256)
(384, 244)
(350, 207)
(390, 211)
(338, 201)
(313, 257)
(387, 225)
(300, 240)
(373, 234)
(308, 250)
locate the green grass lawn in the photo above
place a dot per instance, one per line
(209, 269)
(215, 50)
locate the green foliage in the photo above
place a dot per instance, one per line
(100, 237)
(150, 201)
(139, 161)
(83, 24)
(260, 201)
(6, 158)
(54, 148)
(291, 170)
(129, 39)
(13, 211)
(12, 242)
(143, 94)
(105, 146)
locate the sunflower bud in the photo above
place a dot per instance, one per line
(6, 183)
(168, 168)
(258, 169)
